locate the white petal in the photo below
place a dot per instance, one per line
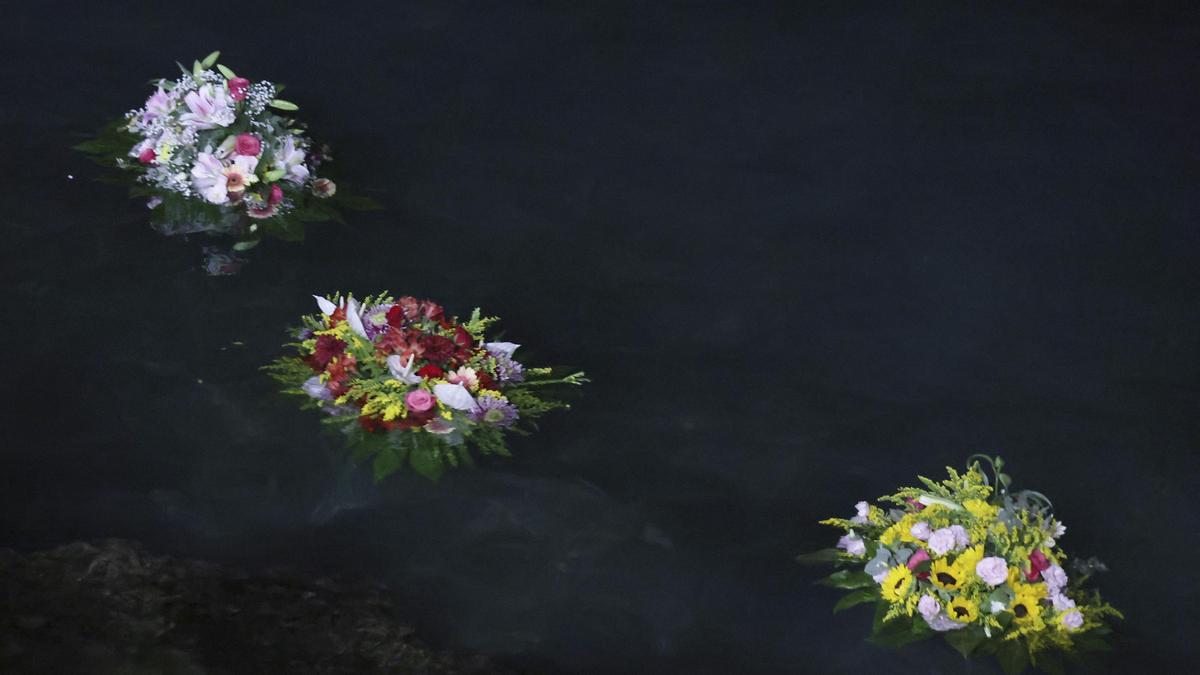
(454, 396)
(353, 318)
(402, 371)
(326, 306)
(506, 348)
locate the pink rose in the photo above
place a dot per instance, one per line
(237, 88)
(418, 400)
(247, 144)
(275, 196)
(147, 156)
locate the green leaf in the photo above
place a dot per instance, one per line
(1013, 657)
(426, 463)
(965, 640)
(386, 463)
(246, 245)
(196, 69)
(280, 104)
(899, 632)
(229, 74)
(848, 580)
(856, 598)
(825, 555)
(210, 59)
(273, 175)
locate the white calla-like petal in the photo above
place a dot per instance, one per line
(326, 306)
(506, 348)
(353, 318)
(455, 396)
(402, 371)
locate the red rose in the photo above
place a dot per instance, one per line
(147, 156)
(275, 196)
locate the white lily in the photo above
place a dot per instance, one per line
(455, 396)
(403, 371)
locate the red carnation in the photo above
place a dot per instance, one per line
(430, 371)
(395, 316)
(431, 310)
(461, 337)
(409, 307)
(438, 349)
(485, 380)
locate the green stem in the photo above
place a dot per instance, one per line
(573, 378)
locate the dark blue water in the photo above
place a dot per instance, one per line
(804, 252)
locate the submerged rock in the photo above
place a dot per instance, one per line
(109, 607)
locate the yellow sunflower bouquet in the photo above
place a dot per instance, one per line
(974, 562)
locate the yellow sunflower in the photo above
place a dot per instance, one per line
(945, 575)
(896, 584)
(1025, 606)
(962, 610)
(968, 559)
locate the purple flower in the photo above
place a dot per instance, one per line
(495, 411)
(1061, 602)
(929, 607)
(993, 571)
(920, 531)
(942, 541)
(1072, 620)
(157, 105)
(375, 321)
(507, 369)
(315, 388)
(208, 108)
(852, 545)
(862, 513)
(1055, 578)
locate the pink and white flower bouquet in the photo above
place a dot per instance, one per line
(217, 152)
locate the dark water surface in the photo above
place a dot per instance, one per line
(805, 253)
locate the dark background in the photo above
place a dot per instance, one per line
(806, 252)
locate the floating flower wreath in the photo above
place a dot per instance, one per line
(214, 153)
(966, 559)
(407, 384)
